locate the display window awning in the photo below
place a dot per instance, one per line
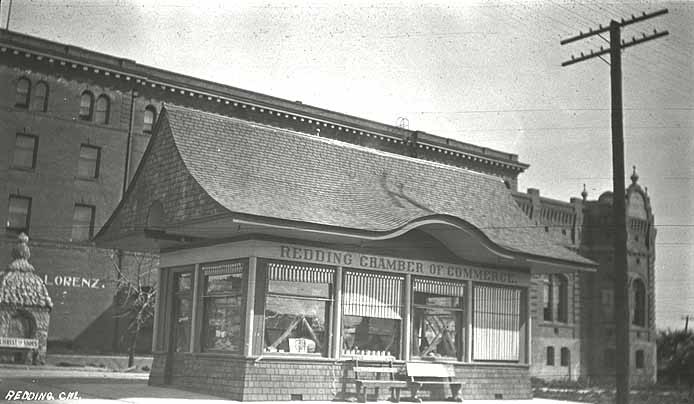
(299, 273)
(435, 287)
(372, 295)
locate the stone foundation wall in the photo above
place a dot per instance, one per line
(272, 379)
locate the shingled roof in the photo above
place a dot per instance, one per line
(19, 285)
(254, 169)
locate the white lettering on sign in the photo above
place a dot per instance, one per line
(390, 264)
(71, 281)
(7, 342)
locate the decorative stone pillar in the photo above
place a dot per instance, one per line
(25, 308)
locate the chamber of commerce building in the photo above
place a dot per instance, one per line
(287, 240)
(284, 256)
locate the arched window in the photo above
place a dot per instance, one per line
(86, 106)
(562, 291)
(102, 109)
(150, 118)
(546, 299)
(555, 295)
(21, 98)
(550, 356)
(638, 295)
(39, 100)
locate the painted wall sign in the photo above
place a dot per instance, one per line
(400, 265)
(72, 281)
(31, 343)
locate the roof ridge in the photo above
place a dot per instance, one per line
(337, 142)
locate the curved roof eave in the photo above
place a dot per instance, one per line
(454, 223)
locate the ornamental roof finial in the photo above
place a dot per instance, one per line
(634, 177)
(584, 194)
(21, 250)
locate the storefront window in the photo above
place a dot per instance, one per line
(182, 311)
(496, 323)
(297, 309)
(437, 319)
(223, 306)
(372, 315)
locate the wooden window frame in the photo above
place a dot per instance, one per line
(106, 112)
(27, 221)
(325, 352)
(43, 106)
(459, 312)
(206, 296)
(34, 151)
(97, 161)
(92, 209)
(549, 356)
(148, 128)
(26, 97)
(90, 112)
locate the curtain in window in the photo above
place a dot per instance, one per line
(299, 273)
(372, 295)
(223, 268)
(436, 287)
(496, 323)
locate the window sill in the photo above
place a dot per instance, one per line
(311, 358)
(473, 363)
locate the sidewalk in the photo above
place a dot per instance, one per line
(11, 371)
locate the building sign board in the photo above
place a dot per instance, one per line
(29, 343)
(357, 260)
(72, 281)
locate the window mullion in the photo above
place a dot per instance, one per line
(249, 307)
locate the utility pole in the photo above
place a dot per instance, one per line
(686, 321)
(621, 285)
(9, 12)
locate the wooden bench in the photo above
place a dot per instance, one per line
(421, 373)
(377, 376)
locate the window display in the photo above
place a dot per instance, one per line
(372, 315)
(437, 319)
(297, 309)
(223, 306)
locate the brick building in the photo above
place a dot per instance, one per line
(75, 124)
(572, 313)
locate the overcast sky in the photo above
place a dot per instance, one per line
(483, 73)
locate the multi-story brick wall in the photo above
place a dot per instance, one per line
(586, 226)
(75, 271)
